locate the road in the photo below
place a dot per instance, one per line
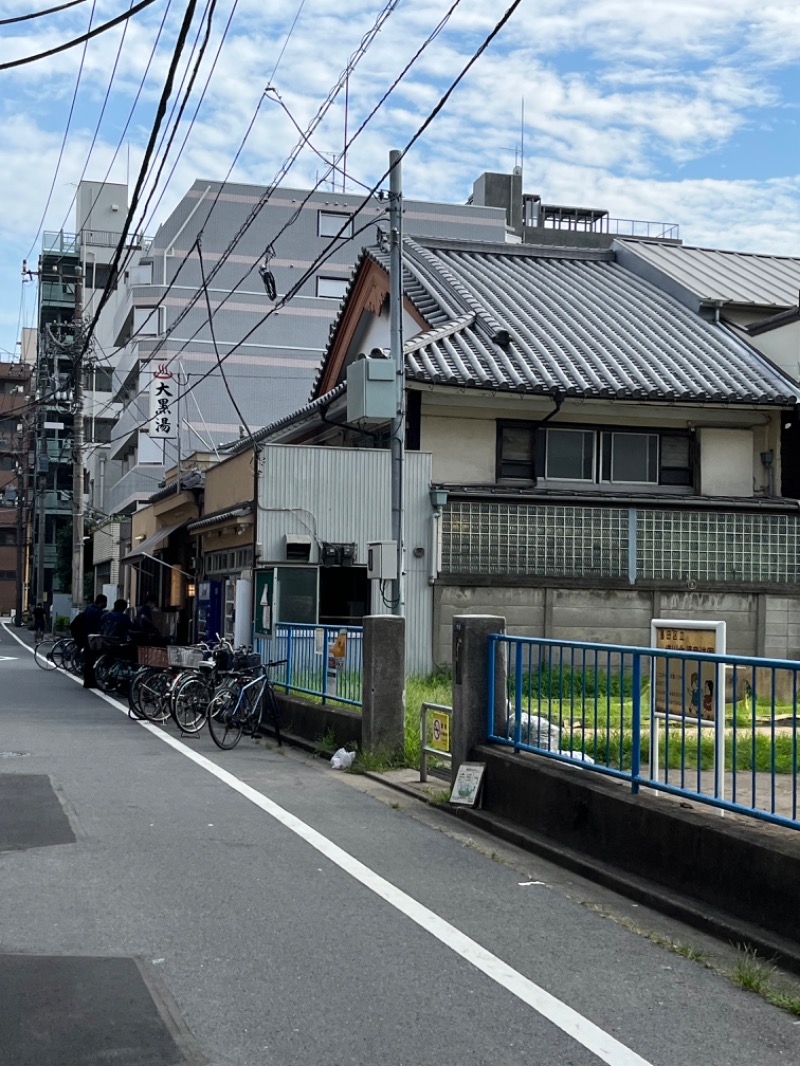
(163, 902)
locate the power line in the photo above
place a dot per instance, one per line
(159, 117)
(64, 138)
(296, 214)
(79, 40)
(356, 56)
(38, 14)
(336, 239)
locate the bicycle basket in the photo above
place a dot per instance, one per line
(152, 656)
(187, 658)
(246, 662)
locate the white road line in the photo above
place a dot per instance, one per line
(586, 1033)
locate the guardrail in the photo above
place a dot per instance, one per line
(718, 729)
(323, 662)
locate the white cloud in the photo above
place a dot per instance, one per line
(618, 97)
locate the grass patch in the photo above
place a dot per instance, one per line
(751, 973)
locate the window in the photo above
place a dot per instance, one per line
(102, 379)
(98, 275)
(516, 450)
(8, 537)
(570, 454)
(630, 457)
(333, 288)
(527, 451)
(330, 222)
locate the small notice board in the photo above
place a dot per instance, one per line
(468, 783)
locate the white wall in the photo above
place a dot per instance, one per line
(463, 449)
(726, 462)
(781, 347)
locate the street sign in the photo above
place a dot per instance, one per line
(438, 731)
(264, 602)
(468, 783)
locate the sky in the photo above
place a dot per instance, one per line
(679, 111)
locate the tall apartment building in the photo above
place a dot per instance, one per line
(71, 265)
(15, 460)
(271, 372)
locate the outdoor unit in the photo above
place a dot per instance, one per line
(382, 560)
(298, 548)
(371, 388)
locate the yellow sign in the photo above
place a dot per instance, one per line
(438, 731)
(682, 686)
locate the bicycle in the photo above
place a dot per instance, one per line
(195, 686)
(52, 654)
(237, 708)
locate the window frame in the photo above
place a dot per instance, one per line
(324, 215)
(344, 282)
(682, 477)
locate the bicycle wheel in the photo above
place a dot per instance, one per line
(104, 673)
(149, 695)
(189, 703)
(62, 650)
(43, 655)
(76, 661)
(270, 712)
(227, 712)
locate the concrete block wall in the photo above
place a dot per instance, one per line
(758, 623)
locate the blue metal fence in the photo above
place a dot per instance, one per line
(324, 662)
(718, 729)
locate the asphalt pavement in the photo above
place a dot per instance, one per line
(164, 902)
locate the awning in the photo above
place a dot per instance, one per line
(149, 544)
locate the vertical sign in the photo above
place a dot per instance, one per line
(264, 602)
(163, 392)
(682, 686)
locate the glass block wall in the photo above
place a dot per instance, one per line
(507, 538)
(564, 541)
(713, 546)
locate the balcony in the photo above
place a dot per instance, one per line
(60, 242)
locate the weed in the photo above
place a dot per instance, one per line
(378, 762)
(788, 1001)
(751, 973)
(441, 798)
(327, 741)
(395, 806)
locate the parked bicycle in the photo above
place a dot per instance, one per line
(192, 690)
(241, 707)
(56, 653)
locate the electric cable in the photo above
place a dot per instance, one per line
(208, 14)
(159, 117)
(334, 240)
(133, 106)
(79, 40)
(38, 14)
(357, 55)
(64, 138)
(214, 342)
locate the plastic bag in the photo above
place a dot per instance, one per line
(342, 760)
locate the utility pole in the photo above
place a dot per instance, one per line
(77, 447)
(22, 500)
(396, 353)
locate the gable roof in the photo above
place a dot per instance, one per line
(568, 323)
(716, 276)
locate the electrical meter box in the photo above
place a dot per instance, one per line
(382, 560)
(371, 389)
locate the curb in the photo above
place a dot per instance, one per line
(681, 908)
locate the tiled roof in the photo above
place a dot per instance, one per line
(569, 323)
(743, 278)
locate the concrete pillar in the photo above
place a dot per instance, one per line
(384, 672)
(471, 683)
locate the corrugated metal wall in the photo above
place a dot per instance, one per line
(342, 495)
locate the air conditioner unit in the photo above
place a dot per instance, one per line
(298, 548)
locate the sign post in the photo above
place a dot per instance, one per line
(689, 690)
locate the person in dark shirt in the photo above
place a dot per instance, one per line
(116, 623)
(92, 620)
(39, 621)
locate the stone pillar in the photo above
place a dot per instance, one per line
(384, 673)
(471, 683)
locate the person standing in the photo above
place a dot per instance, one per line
(39, 622)
(92, 620)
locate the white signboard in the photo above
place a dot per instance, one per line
(467, 786)
(163, 394)
(688, 694)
